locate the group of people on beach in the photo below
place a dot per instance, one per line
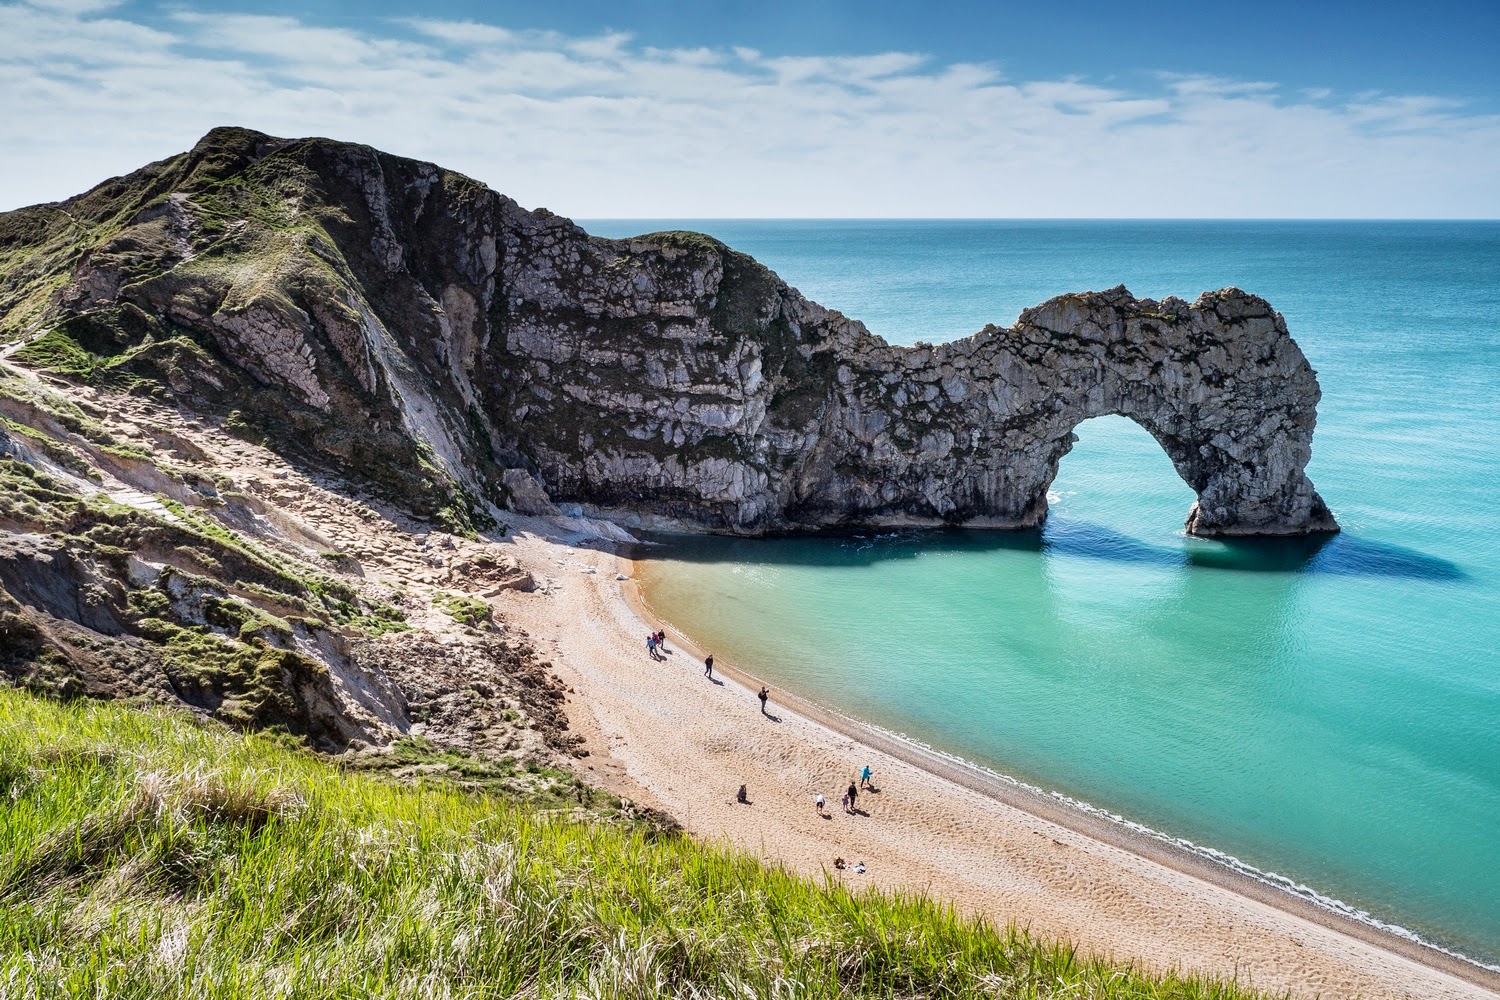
(851, 794)
(656, 646)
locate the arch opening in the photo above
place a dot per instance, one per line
(1113, 473)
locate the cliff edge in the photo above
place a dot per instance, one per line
(409, 327)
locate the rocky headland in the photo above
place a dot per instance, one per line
(267, 403)
(409, 327)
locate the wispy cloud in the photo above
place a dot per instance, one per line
(610, 125)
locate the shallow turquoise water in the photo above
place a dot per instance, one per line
(1330, 713)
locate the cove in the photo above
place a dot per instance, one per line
(1187, 693)
(1327, 709)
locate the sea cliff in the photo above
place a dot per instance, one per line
(409, 327)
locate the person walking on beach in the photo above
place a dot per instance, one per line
(819, 803)
(661, 640)
(845, 801)
(864, 778)
(853, 794)
(651, 646)
(765, 693)
(708, 666)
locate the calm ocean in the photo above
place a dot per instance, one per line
(1329, 713)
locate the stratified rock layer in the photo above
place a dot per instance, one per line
(409, 325)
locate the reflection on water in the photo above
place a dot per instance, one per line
(1344, 554)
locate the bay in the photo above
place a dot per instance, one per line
(1328, 712)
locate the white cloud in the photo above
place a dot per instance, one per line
(606, 125)
(287, 46)
(464, 32)
(609, 46)
(74, 6)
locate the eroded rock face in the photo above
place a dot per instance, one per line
(665, 378)
(732, 402)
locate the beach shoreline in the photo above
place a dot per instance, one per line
(1084, 819)
(983, 842)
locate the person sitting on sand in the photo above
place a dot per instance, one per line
(853, 796)
(708, 666)
(765, 693)
(864, 778)
(838, 863)
(742, 796)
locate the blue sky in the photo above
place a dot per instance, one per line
(1448, 48)
(705, 109)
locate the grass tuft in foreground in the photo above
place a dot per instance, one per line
(144, 855)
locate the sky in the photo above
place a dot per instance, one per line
(739, 109)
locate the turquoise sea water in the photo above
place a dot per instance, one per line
(1330, 713)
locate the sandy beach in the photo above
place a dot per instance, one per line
(664, 734)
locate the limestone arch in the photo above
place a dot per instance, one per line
(1219, 385)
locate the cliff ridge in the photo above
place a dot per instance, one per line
(409, 327)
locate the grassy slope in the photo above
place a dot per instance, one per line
(142, 855)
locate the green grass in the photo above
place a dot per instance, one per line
(470, 611)
(57, 352)
(132, 452)
(538, 784)
(143, 855)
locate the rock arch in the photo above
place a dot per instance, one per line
(1219, 384)
(1068, 444)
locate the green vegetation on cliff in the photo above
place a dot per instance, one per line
(206, 279)
(144, 855)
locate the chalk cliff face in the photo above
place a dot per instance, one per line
(408, 326)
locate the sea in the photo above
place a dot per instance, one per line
(1321, 714)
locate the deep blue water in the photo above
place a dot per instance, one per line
(1330, 713)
